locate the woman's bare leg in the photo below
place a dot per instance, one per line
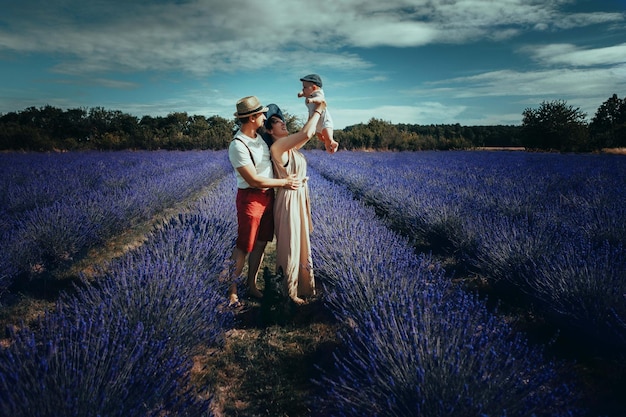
(254, 264)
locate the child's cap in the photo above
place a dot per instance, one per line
(313, 78)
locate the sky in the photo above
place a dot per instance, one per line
(472, 62)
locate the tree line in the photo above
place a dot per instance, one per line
(559, 126)
(553, 125)
(48, 128)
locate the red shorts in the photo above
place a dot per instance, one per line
(255, 217)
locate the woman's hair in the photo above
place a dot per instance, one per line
(267, 138)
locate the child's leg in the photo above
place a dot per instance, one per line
(331, 144)
(324, 138)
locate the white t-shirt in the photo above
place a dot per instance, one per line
(239, 156)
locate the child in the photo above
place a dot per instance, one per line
(312, 90)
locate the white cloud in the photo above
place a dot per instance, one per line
(390, 32)
(568, 54)
(586, 88)
(207, 36)
(582, 82)
(587, 19)
(92, 40)
(424, 113)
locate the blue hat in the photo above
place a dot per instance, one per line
(313, 78)
(272, 110)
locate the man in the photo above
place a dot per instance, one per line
(250, 157)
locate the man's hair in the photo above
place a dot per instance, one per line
(245, 119)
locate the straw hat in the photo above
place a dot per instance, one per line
(248, 106)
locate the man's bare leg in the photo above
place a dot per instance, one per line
(239, 259)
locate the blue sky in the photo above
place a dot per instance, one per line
(473, 62)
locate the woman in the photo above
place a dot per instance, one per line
(292, 209)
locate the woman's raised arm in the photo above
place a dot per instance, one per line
(298, 139)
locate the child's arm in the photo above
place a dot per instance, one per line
(315, 99)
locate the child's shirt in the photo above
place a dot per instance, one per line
(326, 120)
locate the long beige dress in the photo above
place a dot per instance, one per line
(293, 225)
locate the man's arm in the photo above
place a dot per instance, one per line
(248, 172)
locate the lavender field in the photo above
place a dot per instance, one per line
(545, 230)
(123, 345)
(548, 229)
(55, 206)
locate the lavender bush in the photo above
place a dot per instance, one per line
(511, 217)
(56, 206)
(589, 277)
(93, 364)
(122, 343)
(411, 341)
(413, 344)
(426, 354)
(170, 284)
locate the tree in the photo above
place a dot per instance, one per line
(608, 126)
(555, 125)
(73, 126)
(220, 132)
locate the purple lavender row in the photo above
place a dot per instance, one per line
(122, 345)
(551, 227)
(170, 283)
(55, 206)
(411, 342)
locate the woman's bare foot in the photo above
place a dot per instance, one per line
(254, 292)
(297, 300)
